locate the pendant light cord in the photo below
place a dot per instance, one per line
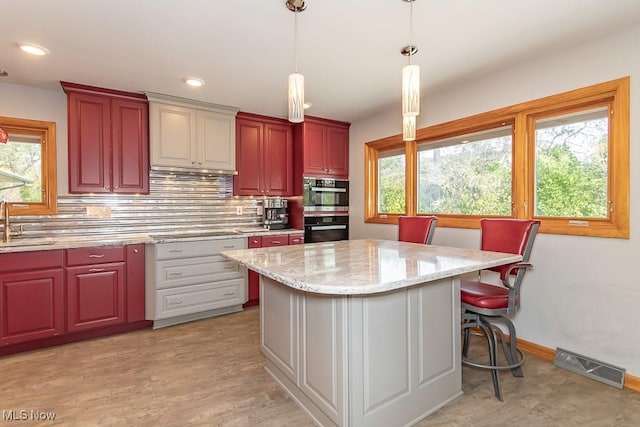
(410, 30)
(295, 39)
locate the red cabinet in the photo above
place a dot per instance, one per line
(264, 156)
(96, 286)
(108, 140)
(296, 239)
(322, 147)
(253, 279)
(31, 296)
(135, 282)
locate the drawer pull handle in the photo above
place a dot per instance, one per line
(229, 294)
(175, 274)
(95, 270)
(230, 267)
(229, 246)
(96, 256)
(175, 302)
(176, 250)
(276, 242)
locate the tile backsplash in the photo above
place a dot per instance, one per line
(176, 202)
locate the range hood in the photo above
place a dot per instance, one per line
(193, 171)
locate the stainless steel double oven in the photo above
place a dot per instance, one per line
(326, 209)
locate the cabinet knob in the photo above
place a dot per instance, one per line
(135, 251)
(199, 163)
(193, 162)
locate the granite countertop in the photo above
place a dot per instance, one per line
(68, 242)
(352, 267)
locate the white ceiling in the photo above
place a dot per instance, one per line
(349, 50)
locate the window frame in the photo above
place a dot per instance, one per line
(614, 93)
(46, 131)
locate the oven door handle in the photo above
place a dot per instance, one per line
(329, 189)
(328, 227)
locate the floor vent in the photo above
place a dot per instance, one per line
(594, 369)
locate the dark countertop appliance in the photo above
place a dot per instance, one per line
(276, 216)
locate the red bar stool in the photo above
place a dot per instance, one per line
(416, 229)
(485, 305)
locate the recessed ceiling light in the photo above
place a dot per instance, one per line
(194, 81)
(33, 49)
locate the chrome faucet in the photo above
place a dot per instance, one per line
(6, 230)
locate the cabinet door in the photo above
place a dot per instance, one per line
(89, 143)
(95, 296)
(248, 181)
(337, 152)
(135, 282)
(173, 135)
(215, 141)
(130, 140)
(314, 136)
(31, 305)
(278, 160)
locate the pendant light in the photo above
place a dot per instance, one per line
(408, 128)
(410, 86)
(296, 80)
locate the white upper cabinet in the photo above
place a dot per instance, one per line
(192, 135)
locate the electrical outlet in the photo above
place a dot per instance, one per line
(238, 210)
(259, 210)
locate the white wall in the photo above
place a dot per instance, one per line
(26, 102)
(584, 293)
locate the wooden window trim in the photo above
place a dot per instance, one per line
(46, 131)
(521, 115)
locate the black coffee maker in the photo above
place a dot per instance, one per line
(275, 214)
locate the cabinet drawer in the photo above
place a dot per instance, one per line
(193, 299)
(197, 248)
(96, 255)
(181, 272)
(280, 240)
(296, 239)
(15, 261)
(255, 242)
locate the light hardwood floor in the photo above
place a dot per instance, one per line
(210, 373)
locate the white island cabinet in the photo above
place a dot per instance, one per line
(364, 332)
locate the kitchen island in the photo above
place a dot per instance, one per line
(364, 332)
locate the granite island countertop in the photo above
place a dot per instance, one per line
(352, 267)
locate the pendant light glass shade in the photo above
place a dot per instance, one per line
(411, 90)
(296, 98)
(408, 128)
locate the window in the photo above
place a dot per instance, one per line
(561, 159)
(28, 166)
(468, 174)
(391, 182)
(571, 164)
